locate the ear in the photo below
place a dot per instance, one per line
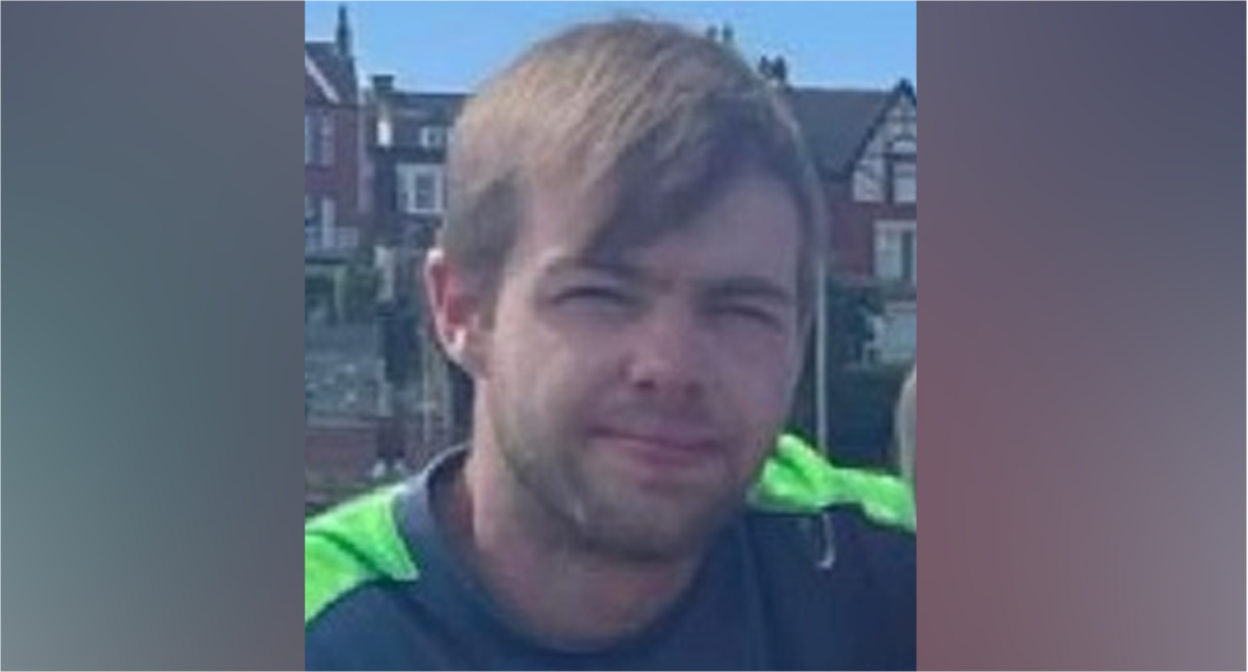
(458, 309)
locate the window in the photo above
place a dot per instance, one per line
(896, 252)
(309, 139)
(311, 224)
(433, 137)
(318, 212)
(318, 139)
(421, 189)
(904, 179)
(327, 140)
(896, 335)
(309, 212)
(348, 238)
(327, 213)
(869, 178)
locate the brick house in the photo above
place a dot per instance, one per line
(865, 143)
(334, 224)
(407, 135)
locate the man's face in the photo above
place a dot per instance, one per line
(635, 397)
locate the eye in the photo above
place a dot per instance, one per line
(748, 313)
(596, 295)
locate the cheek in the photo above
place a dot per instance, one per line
(761, 371)
(551, 376)
(754, 400)
(761, 393)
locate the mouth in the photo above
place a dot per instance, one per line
(667, 451)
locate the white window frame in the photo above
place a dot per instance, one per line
(905, 187)
(328, 217)
(869, 177)
(897, 335)
(325, 139)
(889, 245)
(409, 176)
(309, 138)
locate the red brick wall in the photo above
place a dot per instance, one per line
(341, 180)
(340, 451)
(853, 236)
(336, 465)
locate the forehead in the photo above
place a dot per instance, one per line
(747, 227)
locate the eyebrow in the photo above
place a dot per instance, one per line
(750, 287)
(732, 287)
(611, 267)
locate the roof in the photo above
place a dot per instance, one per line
(838, 123)
(330, 72)
(439, 108)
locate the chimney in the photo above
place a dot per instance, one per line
(780, 68)
(774, 70)
(383, 85)
(342, 35)
(722, 34)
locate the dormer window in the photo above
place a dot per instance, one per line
(903, 166)
(903, 178)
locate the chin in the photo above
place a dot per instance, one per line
(652, 534)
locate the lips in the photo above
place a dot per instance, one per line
(664, 448)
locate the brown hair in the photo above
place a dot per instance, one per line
(651, 116)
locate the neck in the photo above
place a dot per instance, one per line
(563, 593)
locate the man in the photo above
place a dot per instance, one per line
(625, 273)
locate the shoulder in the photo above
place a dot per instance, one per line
(836, 542)
(353, 546)
(837, 557)
(851, 525)
(841, 587)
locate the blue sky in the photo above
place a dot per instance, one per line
(452, 46)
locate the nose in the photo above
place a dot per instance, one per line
(669, 357)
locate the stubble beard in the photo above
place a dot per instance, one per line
(614, 520)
